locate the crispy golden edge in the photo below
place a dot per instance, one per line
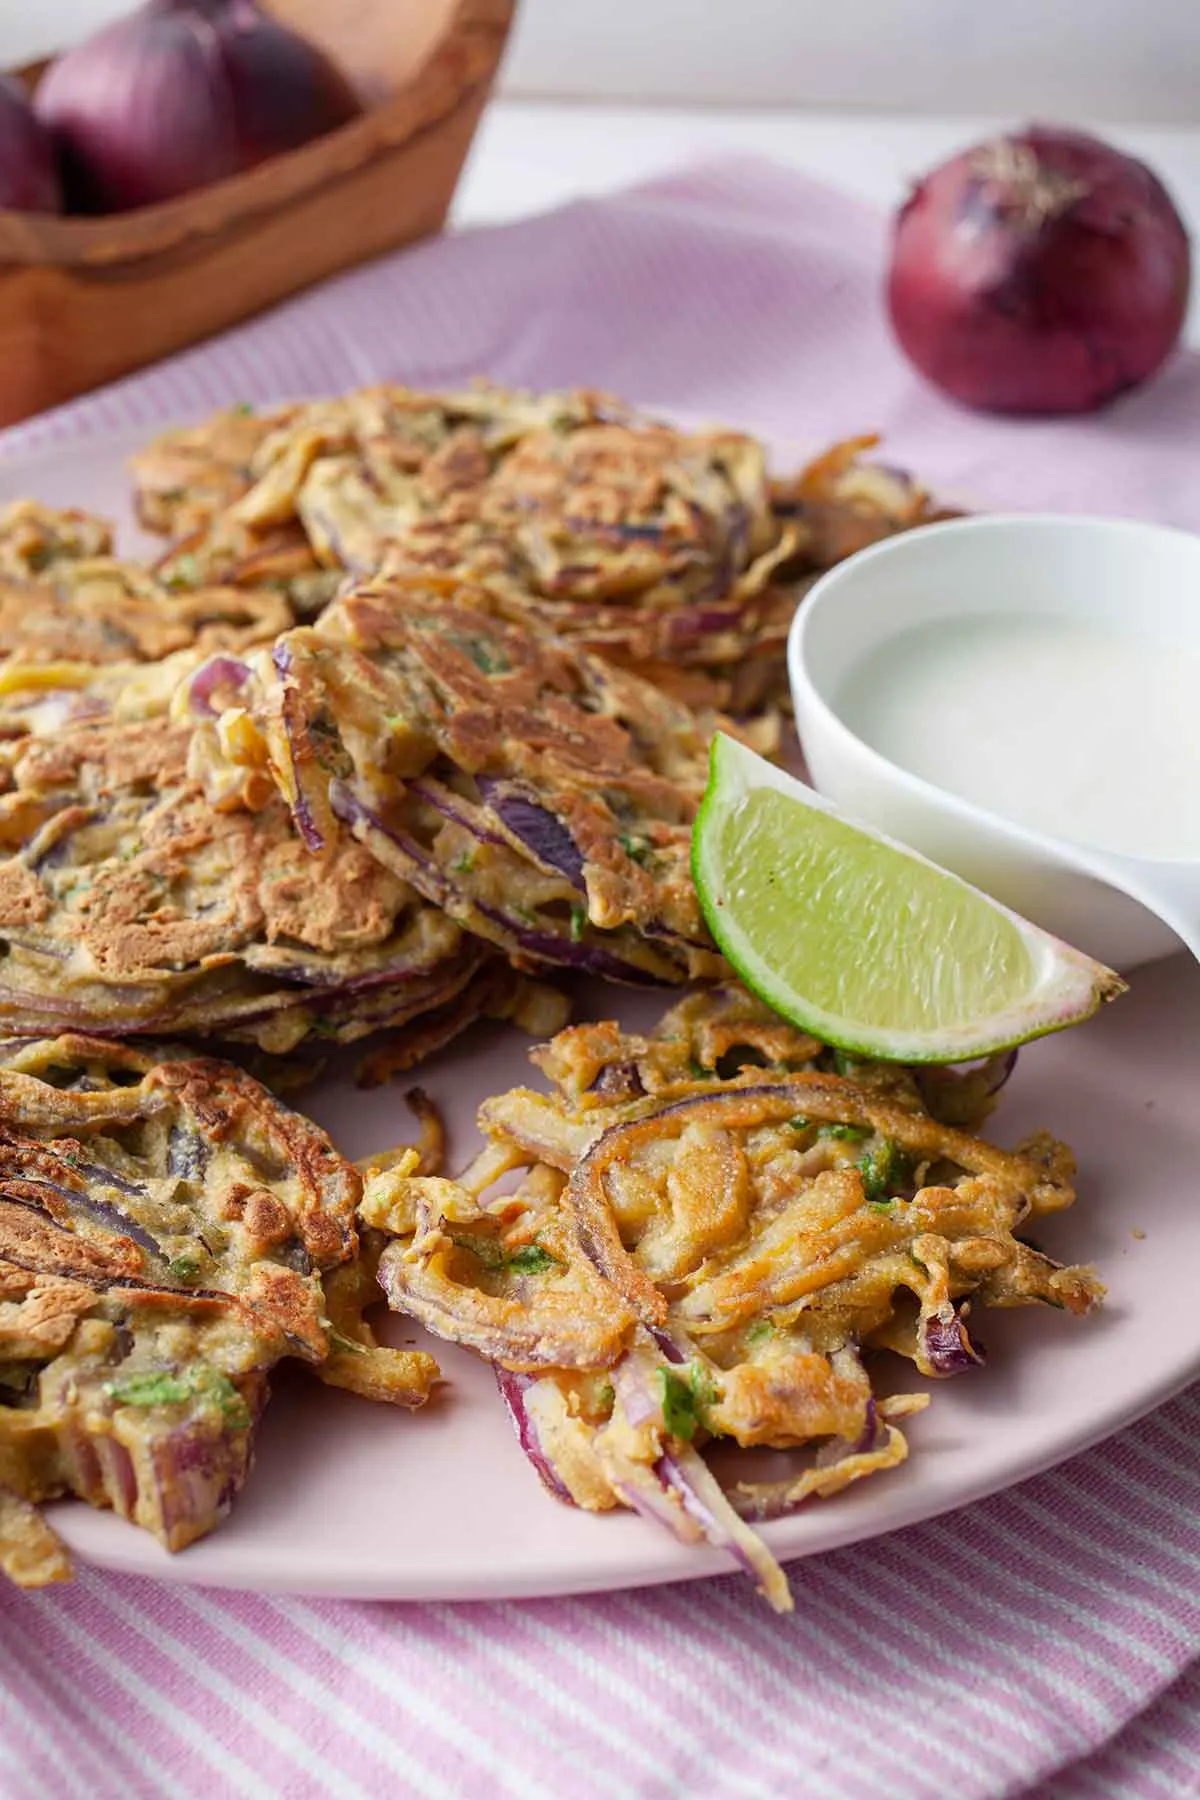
(31, 1554)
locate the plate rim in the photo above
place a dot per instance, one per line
(104, 1541)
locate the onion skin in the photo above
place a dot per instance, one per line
(28, 170)
(284, 91)
(180, 94)
(1044, 272)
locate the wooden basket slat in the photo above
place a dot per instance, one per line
(83, 301)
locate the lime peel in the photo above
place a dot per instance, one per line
(864, 942)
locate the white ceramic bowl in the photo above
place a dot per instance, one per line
(1107, 570)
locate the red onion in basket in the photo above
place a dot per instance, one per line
(28, 170)
(182, 93)
(1044, 272)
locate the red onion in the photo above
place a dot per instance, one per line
(544, 836)
(1042, 273)
(947, 1347)
(28, 171)
(182, 93)
(228, 672)
(513, 1389)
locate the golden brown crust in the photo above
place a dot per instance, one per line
(751, 1232)
(113, 612)
(536, 795)
(130, 902)
(667, 551)
(30, 1553)
(186, 474)
(166, 1227)
(35, 538)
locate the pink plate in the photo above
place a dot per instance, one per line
(357, 1500)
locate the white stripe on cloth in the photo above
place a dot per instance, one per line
(111, 1723)
(78, 1766)
(959, 1658)
(937, 1690)
(301, 1753)
(506, 1660)
(360, 1669)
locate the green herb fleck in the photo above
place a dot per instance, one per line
(881, 1168)
(243, 409)
(534, 1259)
(844, 1065)
(339, 1342)
(762, 1328)
(164, 1387)
(211, 1384)
(462, 865)
(488, 659)
(800, 1123)
(636, 848)
(154, 1388)
(578, 921)
(850, 1134)
(331, 753)
(321, 1027)
(183, 1268)
(485, 1249)
(882, 1206)
(185, 574)
(698, 1070)
(606, 1399)
(530, 1259)
(685, 1399)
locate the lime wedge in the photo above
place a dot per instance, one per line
(865, 943)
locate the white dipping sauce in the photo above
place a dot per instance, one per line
(1067, 727)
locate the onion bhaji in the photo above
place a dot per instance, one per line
(168, 1233)
(538, 796)
(665, 550)
(716, 1226)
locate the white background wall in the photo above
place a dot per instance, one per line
(1120, 59)
(1097, 59)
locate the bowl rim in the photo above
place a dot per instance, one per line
(1064, 854)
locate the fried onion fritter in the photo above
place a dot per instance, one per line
(129, 904)
(667, 551)
(87, 637)
(541, 798)
(168, 1233)
(712, 1230)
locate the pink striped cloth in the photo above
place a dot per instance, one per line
(1042, 1643)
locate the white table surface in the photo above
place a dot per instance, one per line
(531, 156)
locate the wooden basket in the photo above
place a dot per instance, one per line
(85, 300)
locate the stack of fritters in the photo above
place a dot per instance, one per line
(36, 539)
(480, 762)
(86, 636)
(662, 549)
(130, 904)
(166, 1228)
(532, 792)
(713, 1228)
